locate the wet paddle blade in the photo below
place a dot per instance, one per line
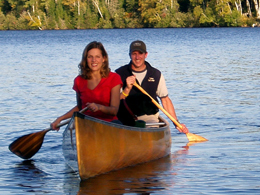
(28, 145)
(195, 138)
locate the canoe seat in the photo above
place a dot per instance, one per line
(143, 124)
(160, 124)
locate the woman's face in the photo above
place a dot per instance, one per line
(95, 59)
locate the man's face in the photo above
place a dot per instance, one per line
(138, 59)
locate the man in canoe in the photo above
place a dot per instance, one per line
(151, 80)
(97, 88)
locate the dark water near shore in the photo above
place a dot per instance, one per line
(213, 77)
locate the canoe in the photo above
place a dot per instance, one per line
(92, 146)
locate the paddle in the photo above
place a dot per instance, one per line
(191, 137)
(28, 145)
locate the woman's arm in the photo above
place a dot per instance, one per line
(63, 117)
(114, 103)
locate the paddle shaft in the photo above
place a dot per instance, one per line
(59, 125)
(68, 120)
(191, 137)
(65, 122)
(159, 106)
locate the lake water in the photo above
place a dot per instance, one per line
(213, 77)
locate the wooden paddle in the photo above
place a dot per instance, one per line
(28, 145)
(191, 137)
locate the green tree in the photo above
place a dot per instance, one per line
(84, 14)
(207, 18)
(132, 15)
(90, 18)
(50, 21)
(10, 22)
(2, 20)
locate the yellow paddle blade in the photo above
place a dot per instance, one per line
(195, 138)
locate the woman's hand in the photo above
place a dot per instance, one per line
(93, 107)
(55, 123)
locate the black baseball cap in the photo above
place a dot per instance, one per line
(137, 46)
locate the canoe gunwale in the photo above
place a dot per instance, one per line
(121, 126)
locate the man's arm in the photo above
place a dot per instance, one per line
(168, 106)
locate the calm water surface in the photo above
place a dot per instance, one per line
(213, 79)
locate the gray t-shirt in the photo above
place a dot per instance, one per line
(161, 90)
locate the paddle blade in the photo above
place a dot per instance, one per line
(195, 138)
(28, 145)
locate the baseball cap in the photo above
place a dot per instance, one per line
(137, 46)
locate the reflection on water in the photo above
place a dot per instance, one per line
(191, 144)
(28, 176)
(144, 178)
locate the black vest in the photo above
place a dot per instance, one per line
(138, 102)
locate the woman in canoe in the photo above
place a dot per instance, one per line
(97, 88)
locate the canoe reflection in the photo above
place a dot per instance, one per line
(141, 179)
(147, 178)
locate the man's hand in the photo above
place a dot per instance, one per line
(130, 81)
(184, 129)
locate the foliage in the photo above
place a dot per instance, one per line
(91, 14)
(2, 20)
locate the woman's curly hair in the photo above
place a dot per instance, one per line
(84, 69)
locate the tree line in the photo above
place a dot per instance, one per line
(94, 14)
